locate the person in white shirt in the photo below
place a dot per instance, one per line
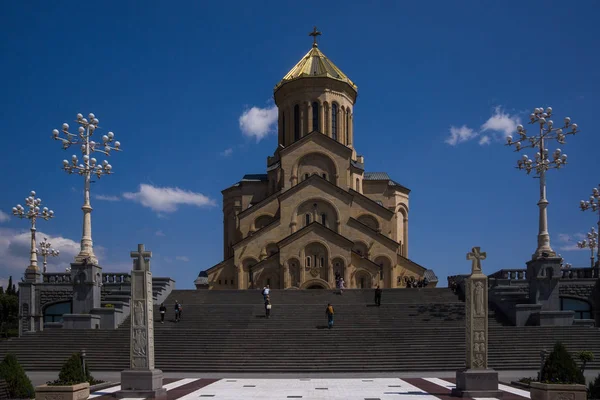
(265, 292)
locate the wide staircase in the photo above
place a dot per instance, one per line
(226, 331)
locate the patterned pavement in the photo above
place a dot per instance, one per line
(318, 389)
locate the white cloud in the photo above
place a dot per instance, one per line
(106, 198)
(498, 126)
(167, 199)
(4, 216)
(459, 135)
(15, 247)
(501, 123)
(159, 233)
(568, 242)
(258, 122)
(182, 258)
(227, 152)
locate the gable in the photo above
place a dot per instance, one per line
(314, 229)
(320, 139)
(378, 237)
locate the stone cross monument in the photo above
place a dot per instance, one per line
(476, 380)
(141, 379)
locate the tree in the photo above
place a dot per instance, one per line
(561, 368)
(19, 385)
(9, 288)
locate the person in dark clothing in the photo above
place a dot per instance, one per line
(163, 311)
(176, 311)
(378, 296)
(268, 306)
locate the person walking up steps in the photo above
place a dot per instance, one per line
(176, 311)
(163, 311)
(268, 307)
(266, 292)
(377, 296)
(329, 313)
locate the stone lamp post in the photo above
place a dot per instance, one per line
(593, 205)
(86, 274)
(32, 213)
(591, 242)
(477, 380)
(543, 270)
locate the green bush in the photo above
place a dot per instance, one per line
(72, 373)
(585, 357)
(594, 389)
(19, 385)
(561, 368)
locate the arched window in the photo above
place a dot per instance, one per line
(283, 127)
(322, 262)
(315, 112)
(582, 308)
(307, 219)
(324, 175)
(296, 122)
(308, 261)
(347, 127)
(324, 219)
(334, 109)
(357, 183)
(54, 312)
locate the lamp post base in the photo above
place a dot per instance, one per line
(33, 274)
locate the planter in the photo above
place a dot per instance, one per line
(81, 391)
(551, 391)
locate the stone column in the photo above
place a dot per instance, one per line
(477, 380)
(141, 380)
(310, 117)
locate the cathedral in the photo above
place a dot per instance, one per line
(316, 214)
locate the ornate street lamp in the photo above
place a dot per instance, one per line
(87, 168)
(46, 251)
(542, 163)
(593, 204)
(591, 242)
(32, 212)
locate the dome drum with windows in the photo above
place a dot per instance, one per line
(315, 215)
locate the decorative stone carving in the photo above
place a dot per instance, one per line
(141, 380)
(477, 380)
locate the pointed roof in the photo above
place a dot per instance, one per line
(315, 65)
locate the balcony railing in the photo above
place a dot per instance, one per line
(117, 278)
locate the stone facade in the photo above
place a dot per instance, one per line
(316, 214)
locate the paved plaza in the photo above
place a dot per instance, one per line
(309, 388)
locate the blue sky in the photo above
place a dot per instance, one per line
(172, 80)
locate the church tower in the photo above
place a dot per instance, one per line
(316, 216)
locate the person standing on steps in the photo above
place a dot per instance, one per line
(163, 311)
(378, 296)
(268, 306)
(180, 311)
(341, 286)
(329, 313)
(176, 311)
(265, 292)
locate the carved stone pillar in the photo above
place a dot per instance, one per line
(142, 379)
(477, 380)
(309, 113)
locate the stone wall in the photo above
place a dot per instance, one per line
(582, 289)
(52, 293)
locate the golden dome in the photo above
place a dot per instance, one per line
(315, 65)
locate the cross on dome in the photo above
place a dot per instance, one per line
(314, 34)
